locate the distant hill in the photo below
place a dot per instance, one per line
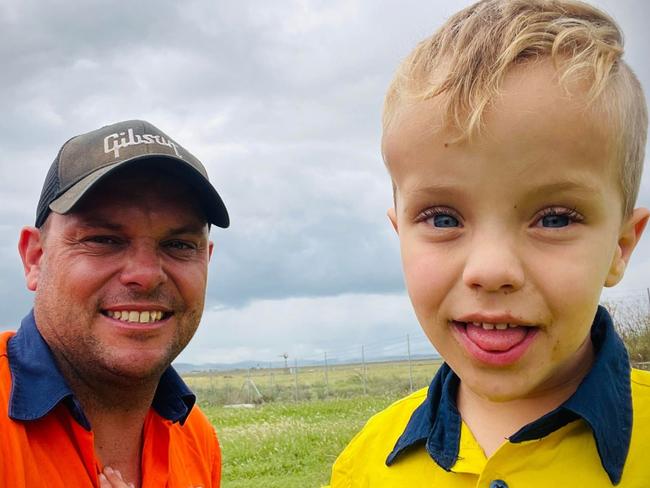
(198, 368)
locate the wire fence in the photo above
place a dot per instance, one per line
(376, 369)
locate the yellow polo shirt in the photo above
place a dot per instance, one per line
(600, 437)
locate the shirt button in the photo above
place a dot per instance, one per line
(498, 484)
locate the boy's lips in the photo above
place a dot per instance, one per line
(498, 343)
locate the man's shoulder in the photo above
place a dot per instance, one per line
(197, 419)
(194, 448)
(197, 430)
(4, 339)
(5, 373)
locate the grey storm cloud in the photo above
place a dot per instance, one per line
(280, 100)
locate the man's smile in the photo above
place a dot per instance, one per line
(142, 317)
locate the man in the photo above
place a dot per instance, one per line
(118, 261)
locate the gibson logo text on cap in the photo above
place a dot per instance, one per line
(114, 142)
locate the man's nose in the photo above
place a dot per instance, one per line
(493, 264)
(143, 267)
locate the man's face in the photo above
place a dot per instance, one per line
(121, 281)
(508, 240)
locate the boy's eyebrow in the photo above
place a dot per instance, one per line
(553, 187)
(581, 187)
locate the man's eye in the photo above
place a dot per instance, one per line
(108, 240)
(180, 245)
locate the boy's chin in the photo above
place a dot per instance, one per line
(501, 386)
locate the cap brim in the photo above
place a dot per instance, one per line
(211, 202)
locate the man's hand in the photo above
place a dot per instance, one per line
(112, 478)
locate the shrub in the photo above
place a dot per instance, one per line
(632, 323)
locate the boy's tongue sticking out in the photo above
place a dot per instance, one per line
(495, 339)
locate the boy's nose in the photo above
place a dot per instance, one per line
(142, 268)
(493, 265)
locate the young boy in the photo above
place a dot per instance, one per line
(514, 138)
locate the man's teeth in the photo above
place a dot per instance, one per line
(487, 326)
(144, 317)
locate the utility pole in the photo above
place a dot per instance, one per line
(286, 363)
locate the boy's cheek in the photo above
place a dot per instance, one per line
(428, 280)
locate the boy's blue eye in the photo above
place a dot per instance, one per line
(442, 220)
(440, 217)
(555, 220)
(558, 217)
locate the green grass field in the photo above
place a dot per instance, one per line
(292, 444)
(302, 422)
(288, 445)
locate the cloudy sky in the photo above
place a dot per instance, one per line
(281, 101)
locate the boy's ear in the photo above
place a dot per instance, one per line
(392, 216)
(30, 247)
(631, 232)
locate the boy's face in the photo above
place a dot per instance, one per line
(523, 226)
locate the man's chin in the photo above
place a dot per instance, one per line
(137, 365)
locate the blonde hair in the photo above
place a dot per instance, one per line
(466, 60)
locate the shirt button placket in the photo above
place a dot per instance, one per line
(498, 484)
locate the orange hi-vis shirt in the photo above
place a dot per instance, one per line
(46, 440)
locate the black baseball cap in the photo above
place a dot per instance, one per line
(87, 159)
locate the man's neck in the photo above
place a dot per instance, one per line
(118, 441)
(116, 412)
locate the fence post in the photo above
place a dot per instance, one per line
(295, 377)
(248, 383)
(272, 377)
(363, 370)
(327, 381)
(408, 350)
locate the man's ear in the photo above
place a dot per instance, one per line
(210, 249)
(30, 247)
(631, 232)
(392, 216)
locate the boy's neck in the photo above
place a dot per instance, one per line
(492, 422)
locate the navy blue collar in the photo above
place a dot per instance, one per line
(38, 385)
(606, 388)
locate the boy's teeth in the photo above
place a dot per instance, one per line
(488, 326)
(143, 317)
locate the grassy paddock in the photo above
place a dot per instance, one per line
(288, 445)
(284, 443)
(311, 382)
(292, 437)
